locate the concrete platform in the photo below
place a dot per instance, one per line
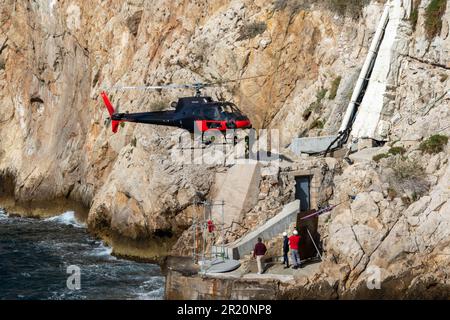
(272, 272)
(269, 276)
(308, 270)
(220, 265)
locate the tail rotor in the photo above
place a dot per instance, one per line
(111, 111)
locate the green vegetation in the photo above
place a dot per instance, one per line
(321, 94)
(433, 17)
(316, 105)
(393, 151)
(443, 77)
(316, 124)
(251, 30)
(397, 150)
(292, 6)
(434, 144)
(2, 64)
(352, 8)
(133, 142)
(334, 87)
(406, 169)
(414, 14)
(407, 178)
(380, 156)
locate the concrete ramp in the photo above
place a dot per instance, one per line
(369, 112)
(239, 191)
(371, 93)
(271, 229)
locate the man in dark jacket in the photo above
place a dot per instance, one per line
(258, 253)
(285, 250)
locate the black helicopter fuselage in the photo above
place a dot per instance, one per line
(191, 113)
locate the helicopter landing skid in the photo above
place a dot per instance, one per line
(209, 143)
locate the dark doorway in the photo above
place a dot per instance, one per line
(307, 248)
(302, 193)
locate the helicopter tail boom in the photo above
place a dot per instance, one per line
(108, 105)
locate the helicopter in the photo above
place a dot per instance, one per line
(193, 113)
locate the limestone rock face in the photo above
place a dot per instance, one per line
(56, 57)
(401, 238)
(55, 140)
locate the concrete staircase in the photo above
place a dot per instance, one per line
(270, 230)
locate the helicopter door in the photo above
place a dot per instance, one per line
(191, 117)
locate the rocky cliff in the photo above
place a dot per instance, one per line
(56, 57)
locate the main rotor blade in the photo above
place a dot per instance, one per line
(197, 85)
(236, 80)
(169, 86)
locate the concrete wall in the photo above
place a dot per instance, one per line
(179, 287)
(239, 191)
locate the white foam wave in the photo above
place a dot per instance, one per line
(146, 291)
(67, 218)
(102, 251)
(157, 294)
(3, 214)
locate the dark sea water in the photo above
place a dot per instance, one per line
(35, 255)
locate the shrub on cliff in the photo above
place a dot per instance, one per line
(407, 176)
(334, 87)
(406, 168)
(414, 14)
(397, 150)
(433, 17)
(434, 144)
(352, 8)
(380, 156)
(292, 6)
(316, 105)
(317, 123)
